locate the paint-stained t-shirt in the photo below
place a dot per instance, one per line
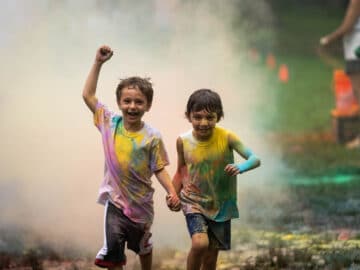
(131, 158)
(207, 189)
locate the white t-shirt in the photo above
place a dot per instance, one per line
(351, 42)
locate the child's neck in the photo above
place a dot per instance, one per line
(134, 127)
(200, 138)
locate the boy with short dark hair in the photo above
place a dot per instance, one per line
(206, 178)
(134, 151)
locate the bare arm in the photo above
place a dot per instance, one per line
(181, 167)
(165, 180)
(103, 54)
(351, 15)
(251, 162)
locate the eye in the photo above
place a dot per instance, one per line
(139, 102)
(210, 118)
(197, 117)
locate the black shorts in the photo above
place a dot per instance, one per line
(119, 229)
(352, 66)
(219, 233)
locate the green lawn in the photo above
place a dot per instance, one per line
(301, 113)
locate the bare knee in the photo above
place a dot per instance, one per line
(199, 243)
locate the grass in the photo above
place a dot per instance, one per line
(324, 186)
(304, 103)
(302, 251)
(301, 115)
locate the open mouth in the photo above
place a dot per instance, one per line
(204, 131)
(134, 114)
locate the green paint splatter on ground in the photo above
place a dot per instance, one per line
(334, 179)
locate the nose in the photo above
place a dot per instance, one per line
(203, 122)
(132, 105)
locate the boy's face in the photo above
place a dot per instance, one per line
(133, 104)
(203, 123)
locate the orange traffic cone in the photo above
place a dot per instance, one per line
(270, 61)
(345, 101)
(283, 73)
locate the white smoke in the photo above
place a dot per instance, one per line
(51, 154)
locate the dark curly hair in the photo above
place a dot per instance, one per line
(143, 84)
(204, 99)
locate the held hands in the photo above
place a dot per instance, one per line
(173, 202)
(232, 169)
(103, 54)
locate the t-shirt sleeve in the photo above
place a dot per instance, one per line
(101, 115)
(159, 156)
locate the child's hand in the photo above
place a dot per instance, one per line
(232, 169)
(103, 54)
(324, 41)
(173, 202)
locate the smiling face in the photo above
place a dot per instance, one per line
(133, 105)
(203, 123)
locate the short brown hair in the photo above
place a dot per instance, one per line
(205, 99)
(143, 84)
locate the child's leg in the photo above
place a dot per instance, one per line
(210, 259)
(116, 268)
(146, 261)
(199, 246)
(355, 81)
(111, 255)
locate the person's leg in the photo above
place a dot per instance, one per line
(111, 255)
(116, 268)
(199, 246)
(146, 261)
(355, 81)
(210, 259)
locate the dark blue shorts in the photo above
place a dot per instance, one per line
(118, 231)
(219, 233)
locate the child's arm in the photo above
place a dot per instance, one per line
(251, 162)
(103, 54)
(172, 198)
(177, 179)
(181, 167)
(351, 15)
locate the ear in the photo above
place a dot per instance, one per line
(187, 115)
(148, 107)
